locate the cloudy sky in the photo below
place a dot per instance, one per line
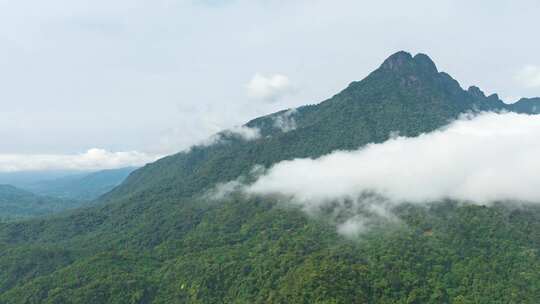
(128, 80)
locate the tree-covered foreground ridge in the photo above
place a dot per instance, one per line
(160, 237)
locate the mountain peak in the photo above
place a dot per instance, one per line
(424, 62)
(404, 61)
(476, 92)
(397, 61)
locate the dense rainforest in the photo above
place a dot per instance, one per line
(157, 238)
(80, 187)
(32, 194)
(18, 204)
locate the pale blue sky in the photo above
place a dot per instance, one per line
(157, 76)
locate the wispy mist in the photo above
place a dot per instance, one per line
(476, 159)
(285, 121)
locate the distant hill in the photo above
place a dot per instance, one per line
(83, 186)
(18, 204)
(19, 179)
(526, 105)
(156, 238)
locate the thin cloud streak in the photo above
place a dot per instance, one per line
(93, 159)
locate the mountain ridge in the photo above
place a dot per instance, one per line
(370, 111)
(418, 73)
(84, 187)
(155, 239)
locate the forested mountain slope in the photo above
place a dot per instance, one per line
(158, 239)
(18, 204)
(526, 105)
(82, 187)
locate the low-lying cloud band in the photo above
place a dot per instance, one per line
(479, 159)
(476, 159)
(93, 159)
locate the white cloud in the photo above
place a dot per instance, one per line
(93, 159)
(485, 158)
(529, 76)
(269, 88)
(482, 159)
(285, 122)
(224, 190)
(245, 133)
(242, 132)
